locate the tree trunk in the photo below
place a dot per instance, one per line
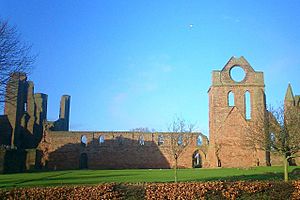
(175, 170)
(285, 166)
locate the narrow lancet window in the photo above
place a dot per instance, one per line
(230, 99)
(199, 140)
(247, 105)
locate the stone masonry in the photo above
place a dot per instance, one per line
(22, 125)
(228, 123)
(28, 140)
(117, 150)
(25, 112)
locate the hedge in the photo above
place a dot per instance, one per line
(183, 190)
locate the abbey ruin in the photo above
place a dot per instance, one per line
(29, 141)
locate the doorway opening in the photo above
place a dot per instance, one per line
(197, 160)
(83, 161)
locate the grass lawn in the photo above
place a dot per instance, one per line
(85, 177)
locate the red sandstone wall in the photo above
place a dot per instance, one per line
(227, 124)
(62, 150)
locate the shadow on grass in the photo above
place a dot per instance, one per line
(76, 177)
(14, 183)
(56, 180)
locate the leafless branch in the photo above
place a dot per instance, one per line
(15, 56)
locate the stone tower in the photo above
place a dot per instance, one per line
(24, 113)
(233, 106)
(15, 107)
(64, 111)
(292, 109)
(62, 124)
(290, 100)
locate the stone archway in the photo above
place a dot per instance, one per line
(197, 159)
(83, 163)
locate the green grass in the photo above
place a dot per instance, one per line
(85, 177)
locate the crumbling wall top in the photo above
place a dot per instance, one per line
(19, 76)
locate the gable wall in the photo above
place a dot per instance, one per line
(228, 124)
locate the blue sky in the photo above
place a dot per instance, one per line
(131, 64)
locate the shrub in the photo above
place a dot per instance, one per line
(184, 190)
(104, 191)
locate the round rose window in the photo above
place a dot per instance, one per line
(237, 73)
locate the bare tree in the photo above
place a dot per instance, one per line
(15, 55)
(277, 131)
(142, 130)
(180, 138)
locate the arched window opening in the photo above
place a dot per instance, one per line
(199, 140)
(230, 99)
(197, 160)
(247, 105)
(141, 140)
(101, 139)
(83, 140)
(160, 140)
(180, 140)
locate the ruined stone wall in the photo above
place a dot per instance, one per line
(5, 130)
(25, 125)
(64, 112)
(62, 124)
(64, 150)
(16, 94)
(24, 112)
(13, 160)
(228, 123)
